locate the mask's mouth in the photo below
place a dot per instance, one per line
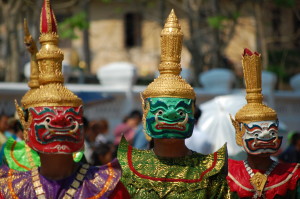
(71, 129)
(180, 126)
(256, 143)
(67, 133)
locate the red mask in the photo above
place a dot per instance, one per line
(56, 129)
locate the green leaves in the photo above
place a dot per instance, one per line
(218, 21)
(69, 25)
(285, 3)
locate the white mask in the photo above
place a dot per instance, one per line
(261, 137)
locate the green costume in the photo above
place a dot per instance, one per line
(146, 175)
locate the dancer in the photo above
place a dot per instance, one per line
(52, 119)
(170, 169)
(256, 128)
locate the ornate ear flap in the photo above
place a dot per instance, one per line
(239, 131)
(146, 107)
(25, 125)
(21, 114)
(80, 109)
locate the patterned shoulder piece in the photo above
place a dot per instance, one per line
(99, 182)
(147, 175)
(19, 156)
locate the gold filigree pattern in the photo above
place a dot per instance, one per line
(170, 83)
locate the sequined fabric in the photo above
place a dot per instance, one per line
(99, 182)
(146, 175)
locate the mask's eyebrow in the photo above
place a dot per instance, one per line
(72, 110)
(45, 110)
(254, 127)
(159, 103)
(182, 104)
(273, 126)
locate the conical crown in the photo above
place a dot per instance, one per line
(170, 83)
(51, 91)
(254, 110)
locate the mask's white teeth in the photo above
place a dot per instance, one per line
(275, 139)
(157, 121)
(75, 129)
(183, 123)
(47, 127)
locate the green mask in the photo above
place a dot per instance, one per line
(167, 117)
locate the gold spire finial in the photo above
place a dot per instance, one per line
(171, 45)
(49, 53)
(170, 83)
(33, 82)
(51, 91)
(254, 110)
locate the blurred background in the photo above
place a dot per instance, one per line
(112, 50)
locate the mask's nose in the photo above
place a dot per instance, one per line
(171, 114)
(60, 120)
(265, 135)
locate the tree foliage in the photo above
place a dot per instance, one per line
(67, 28)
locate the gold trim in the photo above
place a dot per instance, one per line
(10, 186)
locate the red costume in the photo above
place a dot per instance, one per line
(283, 181)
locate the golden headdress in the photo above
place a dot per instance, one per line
(254, 110)
(51, 92)
(170, 83)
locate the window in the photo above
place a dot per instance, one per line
(133, 25)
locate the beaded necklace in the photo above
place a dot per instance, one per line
(259, 180)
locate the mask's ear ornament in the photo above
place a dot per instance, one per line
(239, 131)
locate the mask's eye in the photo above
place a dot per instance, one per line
(48, 119)
(256, 134)
(181, 113)
(70, 119)
(272, 133)
(160, 112)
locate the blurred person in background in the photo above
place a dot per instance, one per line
(88, 151)
(11, 131)
(101, 128)
(128, 127)
(141, 140)
(3, 127)
(102, 154)
(292, 152)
